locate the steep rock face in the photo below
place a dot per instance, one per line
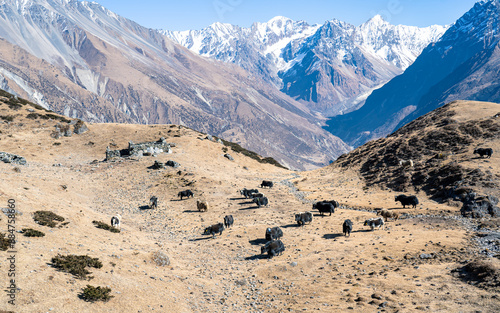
(463, 64)
(331, 67)
(80, 59)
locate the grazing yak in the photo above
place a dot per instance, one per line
(484, 152)
(406, 163)
(388, 214)
(273, 248)
(273, 233)
(407, 200)
(153, 202)
(262, 201)
(347, 228)
(266, 183)
(116, 220)
(228, 221)
(257, 195)
(247, 193)
(326, 206)
(186, 193)
(214, 229)
(202, 205)
(375, 223)
(302, 218)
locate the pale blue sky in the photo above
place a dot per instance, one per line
(197, 14)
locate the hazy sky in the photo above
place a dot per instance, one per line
(197, 14)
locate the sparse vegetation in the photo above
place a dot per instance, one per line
(29, 232)
(4, 242)
(92, 294)
(7, 118)
(239, 149)
(481, 273)
(47, 218)
(105, 226)
(76, 264)
(161, 259)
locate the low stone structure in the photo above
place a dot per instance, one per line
(140, 149)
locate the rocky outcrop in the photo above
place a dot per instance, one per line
(12, 158)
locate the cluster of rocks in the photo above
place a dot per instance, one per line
(12, 158)
(140, 149)
(79, 127)
(159, 165)
(480, 206)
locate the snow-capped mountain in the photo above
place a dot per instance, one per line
(463, 64)
(82, 60)
(256, 49)
(330, 66)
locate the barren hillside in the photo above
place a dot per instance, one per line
(416, 263)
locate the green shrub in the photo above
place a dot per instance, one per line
(29, 232)
(75, 264)
(91, 293)
(105, 226)
(47, 218)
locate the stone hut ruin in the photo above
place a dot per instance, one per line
(140, 149)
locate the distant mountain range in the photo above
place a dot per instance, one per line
(82, 60)
(464, 64)
(330, 67)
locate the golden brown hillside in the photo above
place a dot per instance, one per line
(406, 267)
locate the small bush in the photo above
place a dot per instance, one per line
(33, 116)
(57, 117)
(239, 149)
(75, 264)
(161, 259)
(47, 218)
(8, 118)
(29, 232)
(92, 294)
(105, 226)
(4, 242)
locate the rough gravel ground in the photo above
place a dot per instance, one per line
(405, 267)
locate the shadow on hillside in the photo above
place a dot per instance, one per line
(201, 238)
(332, 236)
(241, 198)
(144, 207)
(256, 257)
(246, 202)
(319, 215)
(362, 231)
(249, 208)
(190, 211)
(257, 242)
(291, 225)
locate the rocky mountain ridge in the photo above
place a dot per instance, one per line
(461, 65)
(326, 66)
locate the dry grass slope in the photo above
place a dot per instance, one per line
(160, 261)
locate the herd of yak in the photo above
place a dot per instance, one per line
(274, 245)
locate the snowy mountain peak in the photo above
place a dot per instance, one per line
(376, 21)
